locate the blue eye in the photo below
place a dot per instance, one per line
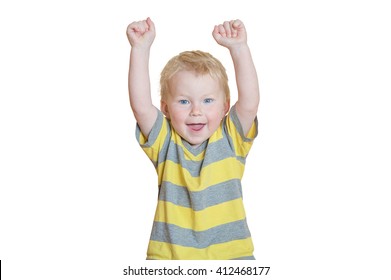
(208, 100)
(183, 101)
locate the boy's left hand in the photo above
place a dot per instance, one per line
(230, 33)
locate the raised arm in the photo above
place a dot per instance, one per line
(141, 35)
(232, 35)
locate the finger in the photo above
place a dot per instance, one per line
(221, 30)
(132, 25)
(227, 27)
(151, 25)
(236, 23)
(142, 26)
(234, 31)
(215, 31)
(132, 28)
(136, 26)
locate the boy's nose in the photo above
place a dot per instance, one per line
(195, 111)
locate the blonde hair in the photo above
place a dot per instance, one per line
(198, 61)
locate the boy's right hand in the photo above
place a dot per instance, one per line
(141, 33)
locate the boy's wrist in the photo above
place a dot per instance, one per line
(141, 48)
(239, 49)
(140, 51)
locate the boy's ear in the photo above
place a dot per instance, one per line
(164, 109)
(226, 107)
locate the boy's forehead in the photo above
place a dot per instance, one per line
(190, 72)
(192, 79)
(184, 76)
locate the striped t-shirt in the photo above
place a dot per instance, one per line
(200, 213)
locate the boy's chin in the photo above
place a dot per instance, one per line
(195, 144)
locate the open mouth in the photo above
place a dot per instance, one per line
(196, 126)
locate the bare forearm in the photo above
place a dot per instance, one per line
(139, 81)
(246, 79)
(140, 90)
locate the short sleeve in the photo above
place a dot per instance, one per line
(241, 143)
(157, 138)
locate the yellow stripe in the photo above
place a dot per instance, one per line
(217, 135)
(184, 217)
(223, 251)
(212, 174)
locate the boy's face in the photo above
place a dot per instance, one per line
(195, 105)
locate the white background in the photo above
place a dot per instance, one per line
(77, 194)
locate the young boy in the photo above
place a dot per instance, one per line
(197, 145)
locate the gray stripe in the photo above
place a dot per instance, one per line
(197, 150)
(151, 138)
(173, 234)
(200, 200)
(245, 258)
